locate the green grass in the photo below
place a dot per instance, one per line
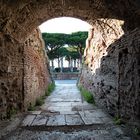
(11, 112)
(136, 131)
(50, 89)
(87, 95)
(118, 120)
(31, 107)
(40, 101)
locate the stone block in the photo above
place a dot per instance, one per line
(40, 120)
(89, 118)
(56, 120)
(28, 120)
(74, 120)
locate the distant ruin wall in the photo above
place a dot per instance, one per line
(65, 76)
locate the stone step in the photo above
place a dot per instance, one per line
(62, 119)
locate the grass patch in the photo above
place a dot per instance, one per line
(31, 107)
(118, 120)
(50, 89)
(11, 112)
(39, 101)
(87, 95)
(136, 131)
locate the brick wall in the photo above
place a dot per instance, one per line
(11, 76)
(129, 75)
(24, 72)
(36, 71)
(65, 76)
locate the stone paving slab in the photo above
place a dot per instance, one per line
(62, 98)
(95, 113)
(35, 112)
(75, 135)
(60, 108)
(62, 104)
(56, 120)
(89, 119)
(49, 113)
(68, 112)
(39, 120)
(82, 107)
(74, 120)
(28, 120)
(107, 120)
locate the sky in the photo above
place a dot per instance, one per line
(64, 25)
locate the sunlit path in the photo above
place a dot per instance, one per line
(65, 106)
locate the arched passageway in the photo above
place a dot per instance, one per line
(19, 19)
(18, 22)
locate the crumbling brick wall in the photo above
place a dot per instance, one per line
(111, 69)
(36, 68)
(24, 72)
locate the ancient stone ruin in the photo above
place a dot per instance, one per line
(112, 63)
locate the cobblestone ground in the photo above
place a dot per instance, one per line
(65, 116)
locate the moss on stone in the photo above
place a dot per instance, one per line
(87, 95)
(50, 89)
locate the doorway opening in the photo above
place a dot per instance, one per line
(65, 39)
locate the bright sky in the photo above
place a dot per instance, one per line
(64, 25)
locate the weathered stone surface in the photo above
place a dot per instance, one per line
(129, 75)
(36, 70)
(24, 73)
(64, 114)
(35, 112)
(65, 76)
(97, 134)
(111, 69)
(56, 120)
(28, 120)
(11, 76)
(100, 74)
(97, 113)
(39, 120)
(14, 15)
(96, 125)
(74, 120)
(92, 117)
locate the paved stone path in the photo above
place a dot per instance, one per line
(66, 107)
(64, 116)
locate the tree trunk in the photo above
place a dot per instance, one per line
(78, 62)
(80, 53)
(71, 65)
(61, 64)
(58, 62)
(52, 65)
(75, 63)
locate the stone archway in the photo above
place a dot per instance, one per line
(18, 21)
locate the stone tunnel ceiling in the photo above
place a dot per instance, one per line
(20, 18)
